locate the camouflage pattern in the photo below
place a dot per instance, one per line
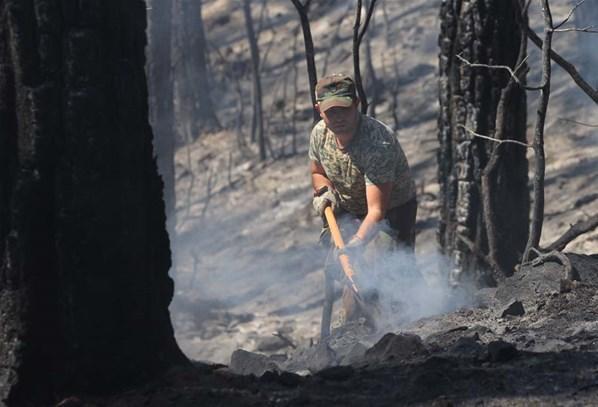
(373, 157)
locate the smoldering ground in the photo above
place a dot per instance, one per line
(236, 288)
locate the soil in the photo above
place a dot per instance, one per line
(248, 265)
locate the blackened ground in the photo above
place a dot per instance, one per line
(478, 356)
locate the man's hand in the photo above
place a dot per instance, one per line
(327, 198)
(352, 249)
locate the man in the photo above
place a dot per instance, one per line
(359, 168)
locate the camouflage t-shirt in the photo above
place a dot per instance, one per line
(374, 156)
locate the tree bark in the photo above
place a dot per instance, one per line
(484, 32)
(84, 286)
(161, 101)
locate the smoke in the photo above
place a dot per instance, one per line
(407, 286)
(241, 278)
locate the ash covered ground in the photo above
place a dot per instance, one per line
(531, 341)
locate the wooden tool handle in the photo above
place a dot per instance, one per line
(339, 242)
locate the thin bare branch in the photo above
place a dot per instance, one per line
(368, 17)
(473, 133)
(578, 229)
(567, 66)
(562, 23)
(589, 29)
(512, 72)
(579, 123)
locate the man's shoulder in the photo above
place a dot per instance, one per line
(317, 141)
(318, 128)
(377, 131)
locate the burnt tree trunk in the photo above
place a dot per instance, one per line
(257, 118)
(310, 53)
(195, 110)
(84, 286)
(161, 91)
(482, 32)
(192, 12)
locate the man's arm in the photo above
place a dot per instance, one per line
(378, 198)
(318, 176)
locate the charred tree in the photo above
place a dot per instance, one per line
(195, 108)
(257, 119)
(482, 32)
(201, 77)
(84, 254)
(161, 101)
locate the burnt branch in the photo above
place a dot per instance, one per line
(573, 232)
(566, 20)
(570, 272)
(578, 122)
(303, 9)
(567, 66)
(358, 33)
(513, 72)
(589, 29)
(496, 140)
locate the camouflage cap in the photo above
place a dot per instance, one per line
(335, 90)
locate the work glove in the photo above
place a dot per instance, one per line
(353, 249)
(324, 199)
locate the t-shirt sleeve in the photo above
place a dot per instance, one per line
(314, 142)
(381, 165)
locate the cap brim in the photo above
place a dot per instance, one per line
(335, 101)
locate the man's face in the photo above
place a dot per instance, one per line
(341, 120)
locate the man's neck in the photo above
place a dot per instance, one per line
(343, 140)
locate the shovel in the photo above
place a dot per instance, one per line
(349, 272)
